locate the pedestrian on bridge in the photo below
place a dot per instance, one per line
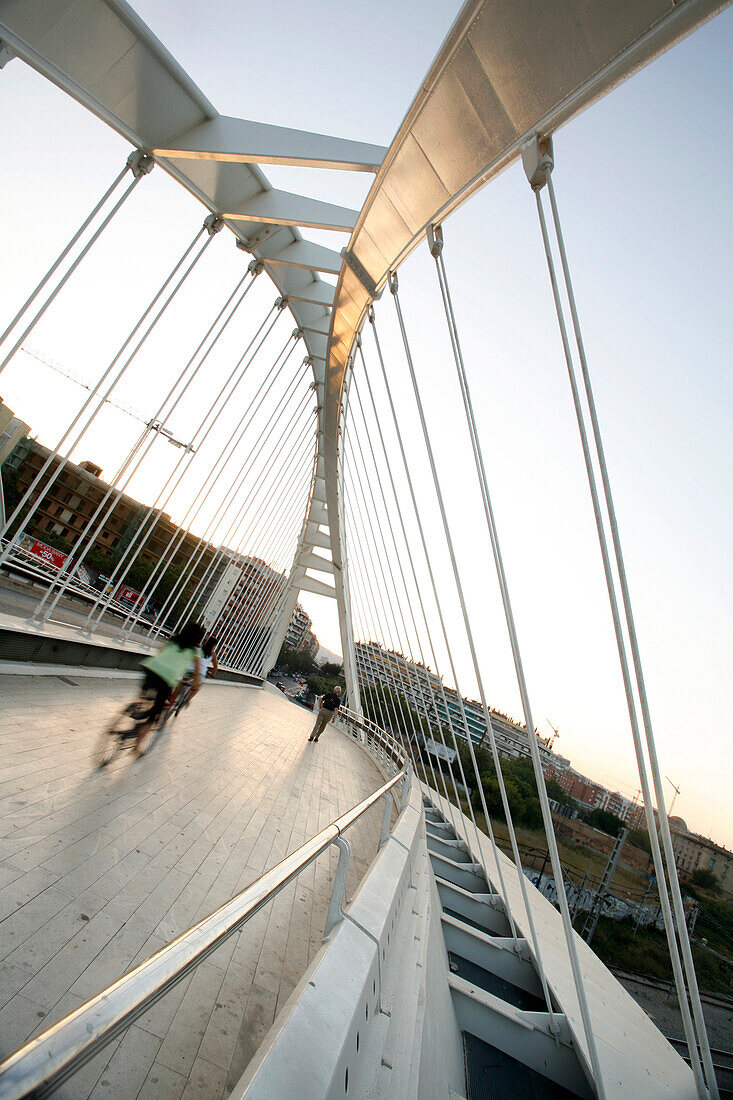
(330, 703)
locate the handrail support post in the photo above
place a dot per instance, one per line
(336, 905)
(386, 820)
(406, 785)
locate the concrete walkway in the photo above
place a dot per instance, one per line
(100, 869)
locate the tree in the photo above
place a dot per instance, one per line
(640, 839)
(295, 661)
(319, 685)
(605, 821)
(383, 705)
(330, 668)
(705, 878)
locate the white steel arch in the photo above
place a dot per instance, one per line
(505, 72)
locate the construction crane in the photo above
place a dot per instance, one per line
(555, 734)
(674, 796)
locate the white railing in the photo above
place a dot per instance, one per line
(40, 1066)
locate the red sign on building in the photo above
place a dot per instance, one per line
(129, 595)
(48, 554)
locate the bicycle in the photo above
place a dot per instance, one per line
(122, 733)
(182, 698)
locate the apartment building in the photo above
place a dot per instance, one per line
(597, 797)
(442, 705)
(698, 853)
(298, 629)
(64, 511)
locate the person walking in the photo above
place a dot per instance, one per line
(330, 703)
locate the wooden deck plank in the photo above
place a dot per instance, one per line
(99, 869)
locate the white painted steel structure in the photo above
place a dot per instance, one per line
(507, 76)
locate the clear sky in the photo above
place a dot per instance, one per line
(642, 181)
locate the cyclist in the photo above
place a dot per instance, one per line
(164, 672)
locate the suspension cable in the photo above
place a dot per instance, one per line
(626, 677)
(218, 464)
(121, 569)
(437, 251)
(220, 515)
(281, 477)
(128, 468)
(199, 549)
(55, 453)
(138, 173)
(444, 632)
(387, 558)
(233, 495)
(479, 680)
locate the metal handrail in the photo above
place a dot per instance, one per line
(44, 1063)
(388, 743)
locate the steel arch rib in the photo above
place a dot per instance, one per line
(505, 72)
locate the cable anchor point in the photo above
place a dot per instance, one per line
(282, 302)
(213, 224)
(393, 283)
(538, 160)
(255, 267)
(140, 163)
(435, 240)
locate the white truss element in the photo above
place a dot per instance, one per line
(317, 293)
(320, 325)
(283, 208)
(306, 254)
(243, 142)
(315, 535)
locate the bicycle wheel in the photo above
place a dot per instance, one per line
(183, 697)
(106, 748)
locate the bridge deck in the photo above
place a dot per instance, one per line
(99, 870)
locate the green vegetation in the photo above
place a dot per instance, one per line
(646, 952)
(295, 661)
(331, 669)
(706, 879)
(603, 820)
(319, 685)
(521, 788)
(385, 706)
(640, 839)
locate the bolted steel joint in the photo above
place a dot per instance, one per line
(370, 315)
(281, 302)
(213, 224)
(435, 240)
(538, 161)
(393, 283)
(297, 333)
(358, 343)
(255, 267)
(140, 164)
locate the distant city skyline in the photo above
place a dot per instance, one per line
(641, 183)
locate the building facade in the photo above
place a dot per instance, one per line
(65, 510)
(442, 706)
(693, 852)
(594, 796)
(298, 629)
